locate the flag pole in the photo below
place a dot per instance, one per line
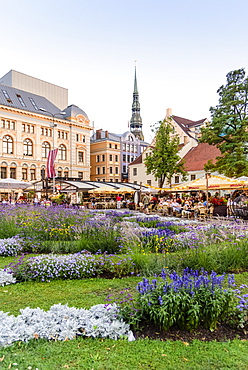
(53, 125)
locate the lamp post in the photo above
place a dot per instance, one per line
(207, 176)
(52, 125)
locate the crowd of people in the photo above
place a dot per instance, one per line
(175, 204)
(185, 205)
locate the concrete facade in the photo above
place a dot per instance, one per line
(55, 94)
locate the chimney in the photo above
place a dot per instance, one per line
(168, 112)
(98, 134)
(106, 134)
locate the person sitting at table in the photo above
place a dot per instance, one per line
(186, 210)
(176, 208)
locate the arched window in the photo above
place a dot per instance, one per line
(7, 144)
(62, 152)
(28, 147)
(46, 147)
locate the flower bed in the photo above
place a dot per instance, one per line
(63, 323)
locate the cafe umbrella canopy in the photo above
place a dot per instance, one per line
(214, 183)
(12, 184)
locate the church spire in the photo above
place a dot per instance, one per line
(136, 120)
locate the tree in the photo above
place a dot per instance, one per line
(164, 161)
(228, 129)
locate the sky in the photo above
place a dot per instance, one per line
(183, 50)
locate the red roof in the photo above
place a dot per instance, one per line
(137, 160)
(186, 124)
(198, 156)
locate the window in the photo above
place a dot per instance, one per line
(116, 158)
(132, 148)
(10, 125)
(62, 152)
(6, 95)
(80, 156)
(124, 169)
(33, 103)
(110, 169)
(80, 175)
(192, 177)
(103, 170)
(45, 149)
(110, 157)
(24, 173)
(32, 174)
(21, 100)
(7, 144)
(116, 146)
(128, 147)
(128, 158)
(116, 170)
(124, 147)
(28, 128)
(3, 172)
(149, 182)
(84, 139)
(103, 157)
(110, 145)
(62, 135)
(111, 180)
(98, 170)
(135, 171)
(116, 180)
(12, 172)
(103, 180)
(98, 158)
(176, 179)
(59, 173)
(66, 174)
(77, 137)
(124, 157)
(28, 147)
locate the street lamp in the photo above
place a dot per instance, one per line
(52, 125)
(207, 177)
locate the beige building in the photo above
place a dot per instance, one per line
(30, 126)
(105, 157)
(188, 132)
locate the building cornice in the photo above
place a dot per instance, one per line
(43, 117)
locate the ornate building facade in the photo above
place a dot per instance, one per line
(31, 125)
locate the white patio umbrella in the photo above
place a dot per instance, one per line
(13, 184)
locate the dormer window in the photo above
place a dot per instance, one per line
(6, 95)
(33, 103)
(21, 100)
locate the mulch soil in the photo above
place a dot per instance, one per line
(221, 334)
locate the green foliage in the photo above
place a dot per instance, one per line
(8, 228)
(188, 301)
(100, 239)
(228, 129)
(164, 161)
(218, 257)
